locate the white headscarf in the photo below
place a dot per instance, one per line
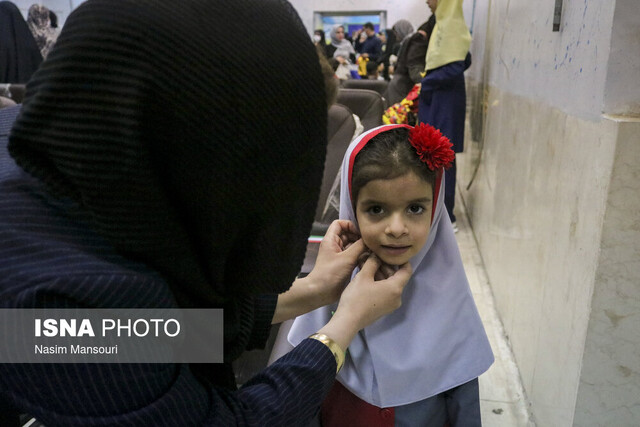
(343, 47)
(435, 341)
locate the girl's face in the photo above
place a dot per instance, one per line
(394, 216)
(339, 33)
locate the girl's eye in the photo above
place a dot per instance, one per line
(416, 209)
(375, 210)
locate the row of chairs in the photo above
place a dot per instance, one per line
(379, 86)
(368, 105)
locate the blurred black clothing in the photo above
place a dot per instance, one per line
(19, 54)
(411, 63)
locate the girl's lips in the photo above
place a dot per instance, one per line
(395, 250)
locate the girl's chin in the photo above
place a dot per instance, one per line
(395, 261)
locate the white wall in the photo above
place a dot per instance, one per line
(415, 11)
(565, 69)
(62, 8)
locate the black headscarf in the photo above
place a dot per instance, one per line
(191, 155)
(53, 18)
(427, 26)
(19, 53)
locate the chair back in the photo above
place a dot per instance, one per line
(379, 86)
(341, 127)
(14, 91)
(367, 104)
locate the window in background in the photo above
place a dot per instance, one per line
(351, 21)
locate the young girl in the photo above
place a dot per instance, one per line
(419, 365)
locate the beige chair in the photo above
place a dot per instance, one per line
(367, 104)
(341, 127)
(14, 91)
(379, 86)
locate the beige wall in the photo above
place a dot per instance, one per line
(537, 205)
(553, 199)
(62, 8)
(609, 387)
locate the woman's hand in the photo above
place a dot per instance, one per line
(384, 272)
(365, 300)
(337, 257)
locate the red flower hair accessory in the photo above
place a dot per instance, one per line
(433, 148)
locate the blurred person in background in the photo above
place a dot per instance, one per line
(340, 46)
(20, 56)
(367, 44)
(409, 69)
(44, 34)
(442, 94)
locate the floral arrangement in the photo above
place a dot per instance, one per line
(433, 148)
(405, 111)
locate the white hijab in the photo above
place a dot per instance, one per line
(343, 47)
(435, 341)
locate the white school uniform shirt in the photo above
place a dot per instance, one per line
(434, 342)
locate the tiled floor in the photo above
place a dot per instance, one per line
(502, 399)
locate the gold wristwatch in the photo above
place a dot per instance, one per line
(337, 352)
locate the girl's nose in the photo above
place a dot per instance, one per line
(396, 226)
